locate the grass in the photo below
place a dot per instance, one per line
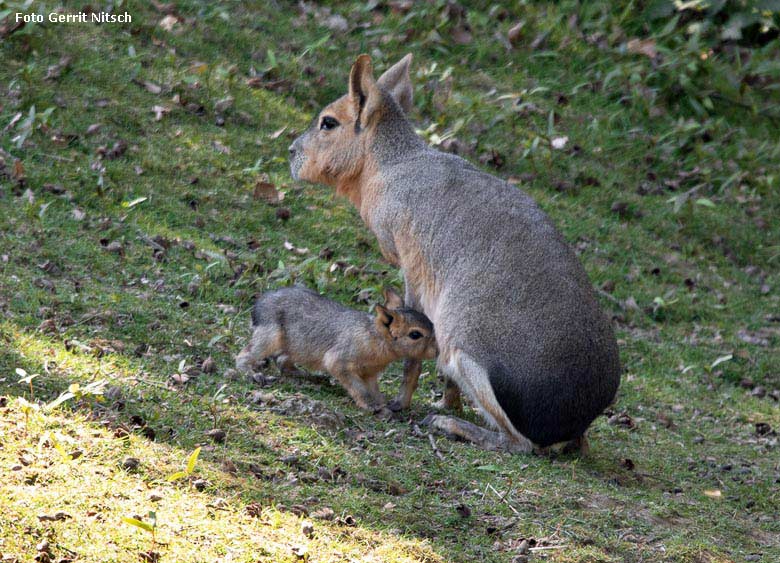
(98, 284)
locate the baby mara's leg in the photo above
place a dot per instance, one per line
(364, 389)
(266, 341)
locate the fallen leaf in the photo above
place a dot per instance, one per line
(208, 365)
(712, 493)
(56, 70)
(163, 8)
(160, 112)
(150, 86)
(180, 378)
(277, 133)
(401, 6)
(461, 35)
(14, 120)
(515, 33)
(324, 513)
(622, 419)
(289, 246)
(18, 172)
(224, 104)
(255, 510)
(168, 22)
(55, 517)
(219, 147)
(254, 82)
(337, 23)
(149, 556)
(267, 192)
(117, 149)
(644, 47)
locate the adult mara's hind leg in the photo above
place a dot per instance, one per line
(451, 397)
(473, 380)
(454, 427)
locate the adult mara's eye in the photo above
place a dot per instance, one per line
(328, 123)
(415, 335)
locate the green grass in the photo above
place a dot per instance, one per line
(86, 297)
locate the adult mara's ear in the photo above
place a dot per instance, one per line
(395, 81)
(363, 92)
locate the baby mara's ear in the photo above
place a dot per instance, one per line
(392, 299)
(384, 318)
(396, 82)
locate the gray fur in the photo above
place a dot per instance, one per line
(514, 295)
(304, 328)
(507, 290)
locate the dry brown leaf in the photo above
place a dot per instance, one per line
(160, 112)
(461, 35)
(180, 378)
(401, 6)
(267, 192)
(219, 147)
(163, 8)
(515, 33)
(18, 172)
(292, 248)
(151, 87)
(644, 47)
(324, 513)
(55, 70)
(277, 133)
(168, 22)
(254, 82)
(14, 120)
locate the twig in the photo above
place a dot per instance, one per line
(656, 477)
(435, 448)
(502, 499)
(57, 157)
(87, 318)
(611, 298)
(7, 29)
(150, 242)
(547, 548)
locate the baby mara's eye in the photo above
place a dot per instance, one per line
(415, 335)
(329, 123)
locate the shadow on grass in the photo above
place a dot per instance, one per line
(297, 453)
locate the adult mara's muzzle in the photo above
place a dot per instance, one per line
(296, 159)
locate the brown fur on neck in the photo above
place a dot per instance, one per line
(358, 188)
